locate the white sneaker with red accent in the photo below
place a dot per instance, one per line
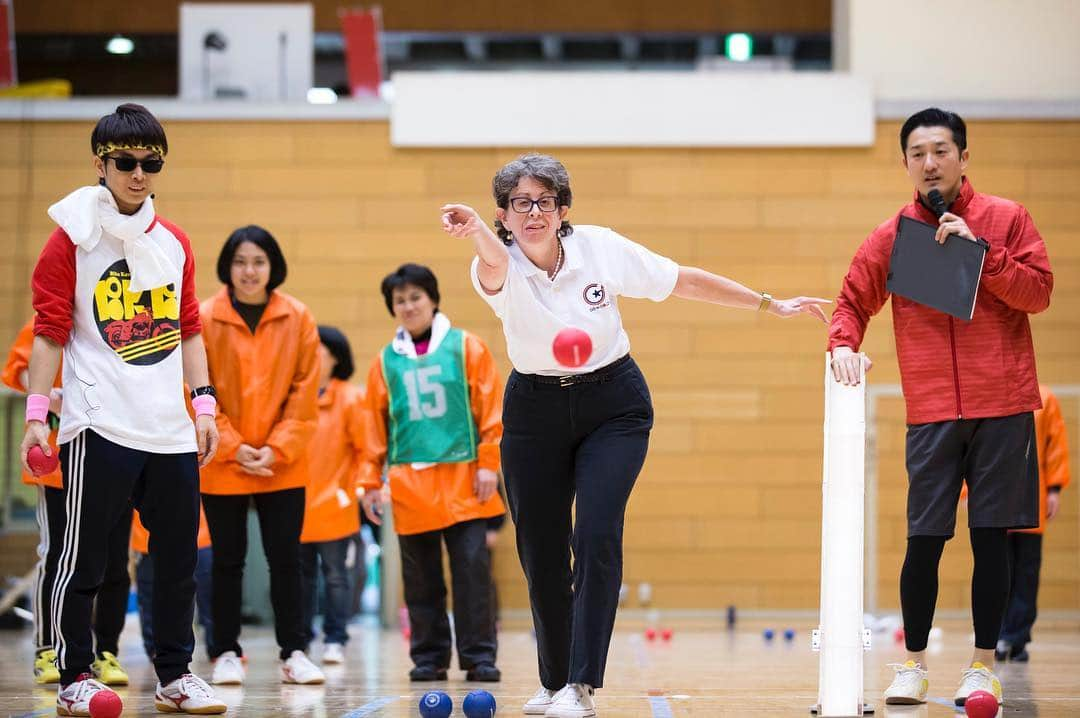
(188, 694)
(74, 698)
(297, 668)
(228, 670)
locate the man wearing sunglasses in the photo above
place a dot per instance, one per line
(114, 294)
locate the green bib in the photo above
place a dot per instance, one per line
(431, 417)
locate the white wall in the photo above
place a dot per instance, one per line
(962, 50)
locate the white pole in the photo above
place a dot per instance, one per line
(840, 634)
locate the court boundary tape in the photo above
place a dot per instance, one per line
(660, 707)
(950, 704)
(369, 708)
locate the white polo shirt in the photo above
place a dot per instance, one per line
(599, 266)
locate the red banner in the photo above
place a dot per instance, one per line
(7, 44)
(363, 55)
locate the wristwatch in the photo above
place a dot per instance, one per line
(766, 300)
(207, 390)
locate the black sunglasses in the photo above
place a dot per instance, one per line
(128, 164)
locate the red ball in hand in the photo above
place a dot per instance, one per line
(105, 704)
(40, 462)
(572, 347)
(981, 704)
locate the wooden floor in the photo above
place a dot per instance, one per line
(704, 671)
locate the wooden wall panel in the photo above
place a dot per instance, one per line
(727, 508)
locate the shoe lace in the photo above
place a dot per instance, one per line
(86, 686)
(110, 660)
(191, 686)
(299, 661)
(975, 675)
(904, 668)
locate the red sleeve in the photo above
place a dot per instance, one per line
(864, 293)
(53, 286)
(190, 324)
(1017, 271)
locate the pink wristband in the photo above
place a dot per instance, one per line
(37, 407)
(205, 405)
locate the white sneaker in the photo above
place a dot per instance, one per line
(573, 701)
(228, 670)
(978, 678)
(538, 704)
(333, 654)
(909, 686)
(74, 699)
(187, 694)
(297, 668)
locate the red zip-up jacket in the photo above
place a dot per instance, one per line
(949, 368)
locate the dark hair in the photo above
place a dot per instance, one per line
(933, 117)
(416, 274)
(546, 170)
(261, 239)
(129, 124)
(335, 341)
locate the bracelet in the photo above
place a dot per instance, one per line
(37, 407)
(205, 405)
(766, 300)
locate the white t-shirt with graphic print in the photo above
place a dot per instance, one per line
(599, 266)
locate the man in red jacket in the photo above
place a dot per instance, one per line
(970, 390)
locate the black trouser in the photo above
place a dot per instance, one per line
(110, 606)
(1025, 560)
(281, 516)
(425, 595)
(586, 441)
(102, 481)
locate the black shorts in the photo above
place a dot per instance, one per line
(995, 456)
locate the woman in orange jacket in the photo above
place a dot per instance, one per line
(1025, 545)
(110, 608)
(434, 416)
(331, 519)
(262, 351)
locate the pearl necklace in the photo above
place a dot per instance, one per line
(558, 261)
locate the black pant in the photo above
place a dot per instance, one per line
(102, 481)
(425, 595)
(587, 441)
(1025, 560)
(110, 606)
(281, 516)
(339, 585)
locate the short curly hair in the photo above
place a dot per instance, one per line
(546, 170)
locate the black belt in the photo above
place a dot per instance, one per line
(604, 373)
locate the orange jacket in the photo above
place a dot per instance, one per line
(267, 385)
(140, 537)
(334, 457)
(441, 495)
(18, 361)
(1052, 448)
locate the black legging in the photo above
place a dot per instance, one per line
(989, 586)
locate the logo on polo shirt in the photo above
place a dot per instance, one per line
(141, 327)
(594, 294)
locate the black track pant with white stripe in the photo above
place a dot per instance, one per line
(110, 608)
(102, 481)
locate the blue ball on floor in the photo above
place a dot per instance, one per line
(478, 704)
(436, 704)
(789, 634)
(768, 634)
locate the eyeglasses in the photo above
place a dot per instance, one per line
(522, 205)
(128, 164)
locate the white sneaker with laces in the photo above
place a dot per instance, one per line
(978, 678)
(297, 668)
(909, 686)
(333, 654)
(74, 698)
(573, 701)
(228, 670)
(539, 703)
(188, 694)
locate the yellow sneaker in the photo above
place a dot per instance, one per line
(108, 670)
(978, 678)
(45, 670)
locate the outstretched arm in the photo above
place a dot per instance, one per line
(462, 221)
(703, 286)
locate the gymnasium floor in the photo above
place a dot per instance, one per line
(704, 671)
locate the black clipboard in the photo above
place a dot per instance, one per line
(941, 276)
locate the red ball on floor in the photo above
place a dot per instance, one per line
(105, 704)
(666, 634)
(650, 634)
(981, 704)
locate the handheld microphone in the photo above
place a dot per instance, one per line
(937, 202)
